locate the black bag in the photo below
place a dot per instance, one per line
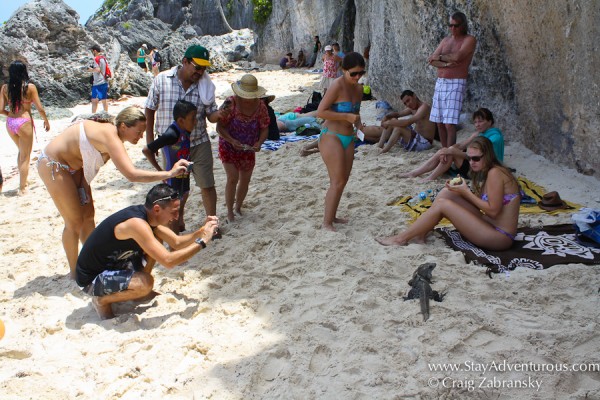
(313, 102)
(316, 98)
(157, 57)
(91, 79)
(310, 131)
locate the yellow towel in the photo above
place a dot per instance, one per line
(530, 188)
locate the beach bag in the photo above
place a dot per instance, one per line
(587, 225)
(307, 131)
(316, 97)
(313, 102)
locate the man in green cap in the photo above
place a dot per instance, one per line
(188, 81)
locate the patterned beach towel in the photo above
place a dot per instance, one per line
(536, 248)
(533, 194)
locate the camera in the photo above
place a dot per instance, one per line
(189, 167)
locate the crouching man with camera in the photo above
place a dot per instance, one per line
(116, 261)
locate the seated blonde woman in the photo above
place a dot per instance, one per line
(487, 217)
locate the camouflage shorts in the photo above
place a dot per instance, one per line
(109, 282)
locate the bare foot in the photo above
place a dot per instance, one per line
(389, 241)
(22, 192)
(230, 216)
(148, 297)
(104, 311)
(238, 211)
(340, 220)
(406, 175)
(328, 227)
(306, 152)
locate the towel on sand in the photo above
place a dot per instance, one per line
(533, 194)
(536, 248)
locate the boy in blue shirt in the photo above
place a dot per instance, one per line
(175, 145)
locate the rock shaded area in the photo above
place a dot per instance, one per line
(535, 64)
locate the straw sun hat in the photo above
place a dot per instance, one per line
(247, 88)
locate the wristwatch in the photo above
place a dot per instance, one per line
(201, 242)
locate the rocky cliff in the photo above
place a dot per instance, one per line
(535, 64)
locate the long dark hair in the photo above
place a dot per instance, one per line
(489, 161)
(18, 79)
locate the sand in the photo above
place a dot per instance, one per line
(279, 309)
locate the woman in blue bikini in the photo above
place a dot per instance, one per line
(487, 217)
(340, 109)
(19, 94)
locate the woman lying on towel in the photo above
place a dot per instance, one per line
(488, 217)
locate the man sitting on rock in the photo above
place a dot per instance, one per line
(396, 127)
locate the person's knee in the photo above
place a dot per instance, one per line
(74, 225)
(338, 184)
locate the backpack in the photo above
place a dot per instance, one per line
(157, 57)
(107, 71)
(313, 102)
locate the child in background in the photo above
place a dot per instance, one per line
(175, 142)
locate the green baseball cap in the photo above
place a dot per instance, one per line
(198, 54)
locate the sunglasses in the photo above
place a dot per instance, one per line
(474, 158)
(454, 25)
(198, 67)
(173, 196)
(359, 73)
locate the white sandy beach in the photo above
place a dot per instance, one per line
(279, 309)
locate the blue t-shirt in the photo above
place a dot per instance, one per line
(497, 140)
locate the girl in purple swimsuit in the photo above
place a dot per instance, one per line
(487, 217)
(18, 94)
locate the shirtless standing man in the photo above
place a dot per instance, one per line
(418, 139)
(452, 59)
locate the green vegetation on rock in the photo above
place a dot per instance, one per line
(262, 10)
(110, 4)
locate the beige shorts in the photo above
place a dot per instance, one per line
(202, 170)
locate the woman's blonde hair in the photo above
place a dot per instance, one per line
(130, 116)
(489, 161)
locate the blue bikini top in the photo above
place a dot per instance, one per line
(345, 107)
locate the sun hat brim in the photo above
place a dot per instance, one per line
(257, 94)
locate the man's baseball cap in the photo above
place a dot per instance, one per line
(199, 55)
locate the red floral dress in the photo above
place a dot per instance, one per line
(246, 129)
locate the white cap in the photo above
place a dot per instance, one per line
(328, 48)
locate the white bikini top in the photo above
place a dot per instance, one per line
(92, 158)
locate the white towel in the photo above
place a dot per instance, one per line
(206, 88)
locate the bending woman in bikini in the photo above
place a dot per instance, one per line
(340, 109)
(19, 94)
(487, 217)
(72, 159)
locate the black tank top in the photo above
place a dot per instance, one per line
(102, 251)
